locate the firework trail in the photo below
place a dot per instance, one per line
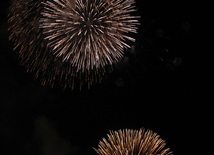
(133, 142)
(70, 41)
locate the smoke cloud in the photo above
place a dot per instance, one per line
(48, 139)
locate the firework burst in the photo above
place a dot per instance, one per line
(133, 142)
(44, 51)
(89, 34)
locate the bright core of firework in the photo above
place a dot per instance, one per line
(89, 34)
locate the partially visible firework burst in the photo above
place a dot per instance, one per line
(91, 34)
(133, 142)
(49, 47)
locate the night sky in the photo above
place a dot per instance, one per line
(159, 85)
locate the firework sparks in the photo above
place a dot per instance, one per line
(92, 34)
(133, 142)
(55, 43)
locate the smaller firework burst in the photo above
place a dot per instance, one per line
(133, 142)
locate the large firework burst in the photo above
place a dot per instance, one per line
(53, 42)
(133, 142)
(90, 34)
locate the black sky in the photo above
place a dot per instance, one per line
(160, 86)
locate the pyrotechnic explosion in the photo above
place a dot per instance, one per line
(133, 142)
(90, 35)
(70, 40)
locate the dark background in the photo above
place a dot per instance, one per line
(159, 86)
